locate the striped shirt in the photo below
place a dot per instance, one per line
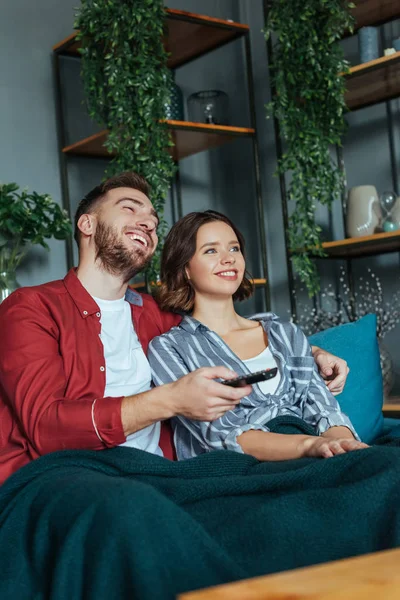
(301, 391)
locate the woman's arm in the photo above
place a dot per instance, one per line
(276, 446)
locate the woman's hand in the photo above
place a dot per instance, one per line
(327, 447)
(331, 368)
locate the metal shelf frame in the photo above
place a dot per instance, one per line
(68, 47)
(381, 243)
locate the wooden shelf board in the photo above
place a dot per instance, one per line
(141, 285)
(189, 138)
(189, 36)
(373, 82)
(391, 408)
(375, 12)
(369, 245)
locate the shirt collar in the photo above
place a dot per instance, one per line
(84, 301)
(191, 324)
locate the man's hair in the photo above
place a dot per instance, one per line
(176, 292)
(90, 202)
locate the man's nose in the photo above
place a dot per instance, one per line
(147, 224)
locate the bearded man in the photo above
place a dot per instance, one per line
(73, 369)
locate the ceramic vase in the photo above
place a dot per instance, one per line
(173, 110)
(368, 43)
(363, 211)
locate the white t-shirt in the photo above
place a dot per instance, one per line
(127, 368)
(263, 361)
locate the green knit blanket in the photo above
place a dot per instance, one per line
(123, 523)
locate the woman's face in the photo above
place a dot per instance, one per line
(217, 266)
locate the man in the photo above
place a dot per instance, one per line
(74, 377)
(73, 370)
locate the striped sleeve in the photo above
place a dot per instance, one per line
(165, 362)
(321, 410)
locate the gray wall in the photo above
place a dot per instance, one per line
(222, 178)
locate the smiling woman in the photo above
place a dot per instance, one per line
(194, 245)
(203, 272)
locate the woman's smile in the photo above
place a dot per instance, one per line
(230, 275)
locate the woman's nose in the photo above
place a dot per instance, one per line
(228, 258)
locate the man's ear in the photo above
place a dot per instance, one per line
(87, 224)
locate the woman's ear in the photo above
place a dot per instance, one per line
(187, 273)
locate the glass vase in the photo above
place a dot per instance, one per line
(210, 106)
(387, 370)
(10, 257)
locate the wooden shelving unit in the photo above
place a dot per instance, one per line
(189, 138)
(368, 84)
(187, 37)
(373, 82)
(369, 245)
(140, 285)
(375, 12)
(392, 408)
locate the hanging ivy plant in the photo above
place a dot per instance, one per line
(127, 86)
(309, 105)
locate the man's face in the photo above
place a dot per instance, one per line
(126, 232)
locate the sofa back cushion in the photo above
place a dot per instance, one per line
(362, 397)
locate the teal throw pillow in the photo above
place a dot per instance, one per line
(362, 397)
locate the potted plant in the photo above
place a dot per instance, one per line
(127, 88)
(307, 66)
(25, 219)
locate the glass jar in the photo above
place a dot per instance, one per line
(209, 106)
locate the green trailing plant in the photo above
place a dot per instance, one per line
(127, 86)
(309, 104)
(26, 219)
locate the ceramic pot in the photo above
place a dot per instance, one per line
(363, 211)
(173, 110)
(368, 43)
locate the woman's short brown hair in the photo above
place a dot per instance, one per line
(176, 292)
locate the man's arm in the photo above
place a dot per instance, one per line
(196, 396)
(331, 368)
(34, 383)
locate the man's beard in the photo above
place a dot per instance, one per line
(115, 257)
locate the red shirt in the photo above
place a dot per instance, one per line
(52, 368)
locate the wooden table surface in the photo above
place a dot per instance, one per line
(369, 577)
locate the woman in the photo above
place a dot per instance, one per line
(203, 272)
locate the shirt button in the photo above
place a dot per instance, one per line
(85, 312)
(102, 369)
(98, 315)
